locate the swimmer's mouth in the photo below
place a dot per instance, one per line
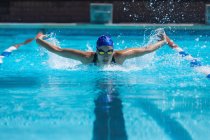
(105, 61)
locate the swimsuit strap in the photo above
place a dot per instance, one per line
(95, 59)
(113, 60)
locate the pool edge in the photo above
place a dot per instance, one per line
(108, 26)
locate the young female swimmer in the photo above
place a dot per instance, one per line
(105, 53)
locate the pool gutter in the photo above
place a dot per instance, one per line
(107, 26)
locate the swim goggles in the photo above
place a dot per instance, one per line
(109, 52)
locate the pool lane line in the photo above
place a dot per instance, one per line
(194, 62)
(171, 126)
(7, 52)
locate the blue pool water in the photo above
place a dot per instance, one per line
(158, 96)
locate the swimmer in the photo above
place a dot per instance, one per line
(105, 53)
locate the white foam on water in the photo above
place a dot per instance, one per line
(121, 68)
(58, 62)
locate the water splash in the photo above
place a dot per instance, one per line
(146, 60)
(156, 36)
(135, 64)
(161, 11)
(58, 62)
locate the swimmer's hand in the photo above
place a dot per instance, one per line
(40, 35)
(162, 37)
(167, 40)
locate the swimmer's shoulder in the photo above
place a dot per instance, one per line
(88, 58)
(119, 59)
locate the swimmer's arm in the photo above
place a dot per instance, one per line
(136, 52)
(84, 57)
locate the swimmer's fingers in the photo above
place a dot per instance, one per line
(40, 35)
(165, 38)
(161, 37)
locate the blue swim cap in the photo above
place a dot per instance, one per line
(104, 41)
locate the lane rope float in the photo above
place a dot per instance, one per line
(7, 52)
(194, 62)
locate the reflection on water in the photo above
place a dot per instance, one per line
(109, 122)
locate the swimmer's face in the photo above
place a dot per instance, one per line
(105, 54)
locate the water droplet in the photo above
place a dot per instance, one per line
(197, 39)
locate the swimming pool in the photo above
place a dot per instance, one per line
(158, 96)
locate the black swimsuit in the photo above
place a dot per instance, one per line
(95, 59)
